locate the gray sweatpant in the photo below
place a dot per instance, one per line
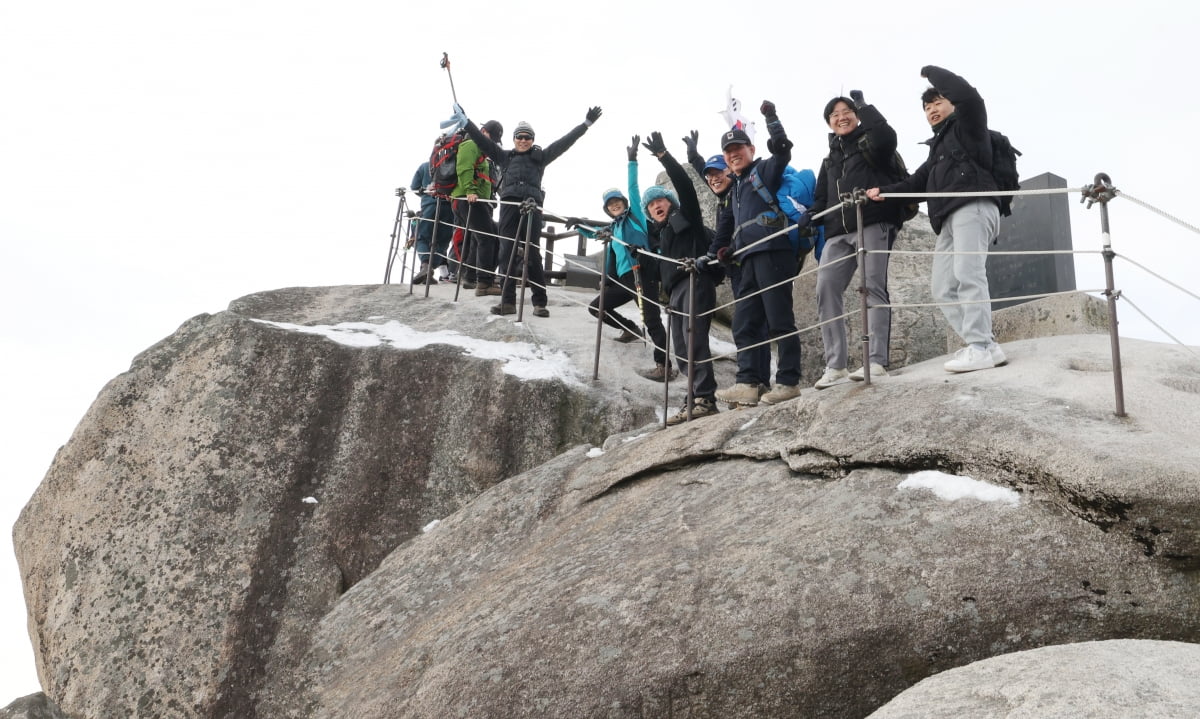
(834, 277)
(963, 277)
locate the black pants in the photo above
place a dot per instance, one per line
(621, 290)
(513, 228)
(704, 383)
(480, 243)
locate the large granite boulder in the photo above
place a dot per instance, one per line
(786, 561)
(220, 496)
(1115, 679)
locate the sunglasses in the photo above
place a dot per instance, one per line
(523, 137)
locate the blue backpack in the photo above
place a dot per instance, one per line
(794, 197)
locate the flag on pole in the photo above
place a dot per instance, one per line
(733, 115)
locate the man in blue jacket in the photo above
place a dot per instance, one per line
(960, 160)
(760, 312)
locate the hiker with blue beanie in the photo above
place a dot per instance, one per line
(862, 151)
(631, 276)
(677, 228)
(767, 266)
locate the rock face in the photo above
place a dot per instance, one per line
(768, 562)
(1117, 679)
(234, 530)
(220, 496)
(34, 706)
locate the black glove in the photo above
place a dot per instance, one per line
(804, 220)
(768, 110)
(655, 143)
(782, 145)
(593, 114)
(573, 222)
(632, 149)
(690, 140)
(857, 97)
(703, 260)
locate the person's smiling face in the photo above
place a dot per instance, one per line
(937, 110)
(842, 120)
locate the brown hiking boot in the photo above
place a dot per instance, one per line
(540, 311)
(626, 337)
(504, 309)
(703, 407)
(659, 373)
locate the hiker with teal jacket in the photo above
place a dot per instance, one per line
(631, 275)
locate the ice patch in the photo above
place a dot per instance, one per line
(521, 359)
(952, 486)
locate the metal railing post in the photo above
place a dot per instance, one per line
(1102, 191)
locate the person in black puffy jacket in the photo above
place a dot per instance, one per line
(861, 150)
(522, 169)
(960, 160)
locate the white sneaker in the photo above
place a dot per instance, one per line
(831, 377)
(969, 359)
(877, 370)
(997, 355)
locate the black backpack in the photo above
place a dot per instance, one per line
(443, 163)
(1004, 169)
(895, 172)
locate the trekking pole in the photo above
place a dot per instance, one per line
(446, 65)
(527, 208)
(394, 247)
(605, 237)
(670, 362)
(464, 249)
(859, 197)
(1103, 191)
(637, 291)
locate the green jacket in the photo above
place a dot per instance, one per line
(474, 172)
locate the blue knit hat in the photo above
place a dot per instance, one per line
(613, 193)
(716, 162)
(654, 192)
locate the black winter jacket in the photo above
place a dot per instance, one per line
(682, 236)
(522, 171)
(960, 151)
(861, 159)
(743, 225)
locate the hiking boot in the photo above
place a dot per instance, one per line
(781, 393)
(877, 370)
(659, 373)
(504, 309)
(626, 337)
(450, 278)
(482, 290)
(419, 278)
(540, 311)
(468, 284)
(969, 359)
(703, 407)
(997, 355)
(741, 394)
(833, 376)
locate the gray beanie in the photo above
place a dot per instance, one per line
(524, 128)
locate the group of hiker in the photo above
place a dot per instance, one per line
(763, 231)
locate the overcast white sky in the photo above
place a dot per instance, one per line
(159, 159)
